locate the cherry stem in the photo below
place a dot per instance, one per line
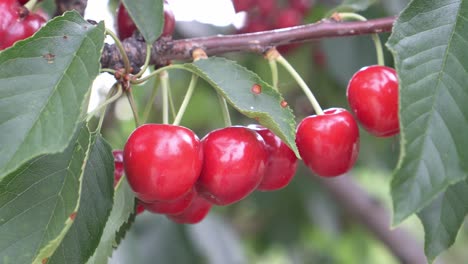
(147, 60)
(224, 110)
(31, 4)
(164, 75)
(188, 95)
(109, 99)
(121, 49)
(274, 73)
(171, 103)
(150, 102)
(375, 37)
(111, 71)
(315, 104)
(133, 106)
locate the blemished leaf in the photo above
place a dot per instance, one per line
(124, 206)
(234, 82)
(44, 86)
(38, 200)
(96, 201)
(429, 48)
(147, 16)
(443, 218)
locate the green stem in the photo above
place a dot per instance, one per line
(375, 37)
(188, 95)
(171, 104)
(133, 106)
(110, 98)
(119, 45)
(165, 97)
(224, 110)
(111, 71)
(150, 102)
(302, 84)
(147, 60)
(158, 71)
(31, 4)
(274, 73)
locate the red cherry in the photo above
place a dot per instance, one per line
(282, 161)
(373, 96)
(118, 165)
(162, 162)
(288, 18)
(197, 210)
(302, 6)
(172, 207)
(266, 7)
(242, 5)
(234, 163)
(328, 143)
(169, 21)
(125, 25)
(139, 208)
(255, 25)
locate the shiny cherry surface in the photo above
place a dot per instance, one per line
(171, 207)
(234, 163)
(162, 162)
(373, 97)
(125, 25)
(196, 212)
(328, 143)
(282, 162)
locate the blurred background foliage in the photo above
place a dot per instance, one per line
(300, 223)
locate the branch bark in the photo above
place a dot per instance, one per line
(67, 5)
(164, 50)
(375, 218)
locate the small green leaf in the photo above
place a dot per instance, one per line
(148, 17)
(37, 200)
(124, 206)
(96, 200)
(429, 43)
(443, 218)
(44, 85)
(234, 82)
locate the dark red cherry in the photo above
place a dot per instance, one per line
(118, 165)
(171, 207)
(282, 162)
(328, 143)
(162, 162)
(125, 24)
(169, 21)
(234, 162)
(373, 96)
(242, 5)
(197, 210)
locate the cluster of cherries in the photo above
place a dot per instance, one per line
(126, 27)
(17, 22)
(265, 15)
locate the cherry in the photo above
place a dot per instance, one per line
(328, 143)
(197, 210)
(118, 165)
(162, 162)
(23, 2)
(282, 162)
(288, 17)
(139, 208)
(234, 162)
(266, 6)
(242, 5)
(302, 6)
(255, 25)
(373, 96)
(125, 25)
(172, 207)
(169, 21)
(16, 23)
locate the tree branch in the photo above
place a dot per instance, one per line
(375, 218)
(165, 50)
(67, 5)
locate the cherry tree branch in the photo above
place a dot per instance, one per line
(375, 218)
(165, 50)
(67, 5)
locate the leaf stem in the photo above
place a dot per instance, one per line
(301, 83)
(133, 106)
(164, 75)
(375, 37)
(150, 102)
(188, 95)
(147, 60)
(119, 45)
(224, 110)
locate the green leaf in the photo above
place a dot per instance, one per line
(37, 200)
(353, 6)
(148, 17)
(443, 218)
(234, 82)
(429, 43)
(44, 86)
(124, 206)
(96, 201)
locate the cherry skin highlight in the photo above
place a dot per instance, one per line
(162, 162)
(282, 162)
(328, 143)
(372, 95)
(234, 162)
